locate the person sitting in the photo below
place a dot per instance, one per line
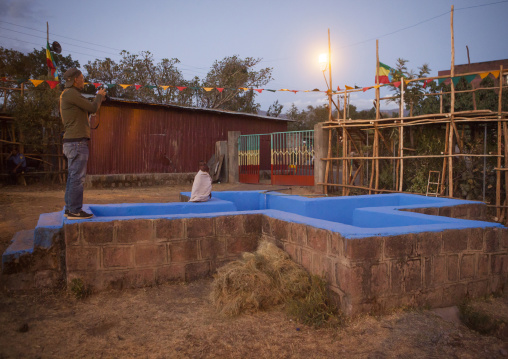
(202, 186)
(16, 165)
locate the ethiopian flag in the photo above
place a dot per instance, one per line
(385, 74)
(51, 62)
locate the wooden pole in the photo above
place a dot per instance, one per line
(401, 135)
(344, 149)
(376, 133)
(327, 169)
(452, 110)
(499, 143)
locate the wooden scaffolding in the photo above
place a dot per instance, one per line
(345, 169)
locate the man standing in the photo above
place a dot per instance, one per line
(202, 186)
(16, 164)
(74, 109)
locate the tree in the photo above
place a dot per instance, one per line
(412, 91)
(232, 74)
(306, 119)
(33, 65)
(275, 109)
(140, 69)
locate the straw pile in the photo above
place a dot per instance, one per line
(258, 281)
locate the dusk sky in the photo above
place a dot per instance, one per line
(287, 35)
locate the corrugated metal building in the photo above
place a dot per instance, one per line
(134, 137)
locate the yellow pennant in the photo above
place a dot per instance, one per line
(495, 73)
(284, 90)
(484, 74)
(208, 89)
(349, 87)
(376, 86)
(406, 81)
(164, 87)
(124, 86)
(36, 82)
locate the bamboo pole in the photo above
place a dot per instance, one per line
(376, 131)
(327, 169)
(499, 143)
(452, 109)
(401, 136)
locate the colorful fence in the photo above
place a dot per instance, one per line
(248, 158)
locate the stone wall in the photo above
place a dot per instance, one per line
(431, 269)
(142, 252)
(138, 180)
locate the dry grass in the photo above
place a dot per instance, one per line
(258, 281)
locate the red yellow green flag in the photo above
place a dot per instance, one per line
(385, 73)
(51, 62)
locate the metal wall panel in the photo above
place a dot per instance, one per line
(140, 138)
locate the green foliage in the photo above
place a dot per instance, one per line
(33, 65)
(79, 289)
(306, 119)
(275, 109)
(316, 308)
(234, 73)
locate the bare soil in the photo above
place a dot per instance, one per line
(178, 321)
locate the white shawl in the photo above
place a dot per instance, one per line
(201, 188)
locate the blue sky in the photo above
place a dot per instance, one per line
(287, 35)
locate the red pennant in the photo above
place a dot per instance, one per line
(181, 88)
(258, 90)
(427, 82)
(96, 84)
(338, 88)
(294, 91)
(396, 84)
(52, 84)
(138, 86)
(220, 89)
(366, 88)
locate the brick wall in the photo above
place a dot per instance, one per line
(434, 269)
(142, 252)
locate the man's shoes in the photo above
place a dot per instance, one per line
(80, 215)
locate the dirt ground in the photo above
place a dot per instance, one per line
(178, 321)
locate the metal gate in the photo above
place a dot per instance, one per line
(248, 158)
(291, 157)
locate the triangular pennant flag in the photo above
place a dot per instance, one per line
(194, 88)
(440, 81)
(36, 82)
(396, 84)
(338, 88)
(366, 88)
(124, 86)
(427, 82)
(349, 87)
(53, 84)
(484, 74)
(376, 86)
(151, 87)
(20, 81)
(110, 85)
(406, 81)
(294, 91)
(469, 78)
(244, 88)
(283, 90)
(258, 90)
(181, 88)
(220, 89)
(495, 73)
(164, 87)
(137, 86)
(456, 80)
(96, 84)
(270, 90)
(208, 89)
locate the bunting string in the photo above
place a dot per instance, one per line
(454, 79)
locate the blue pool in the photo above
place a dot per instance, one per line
(352, 217)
